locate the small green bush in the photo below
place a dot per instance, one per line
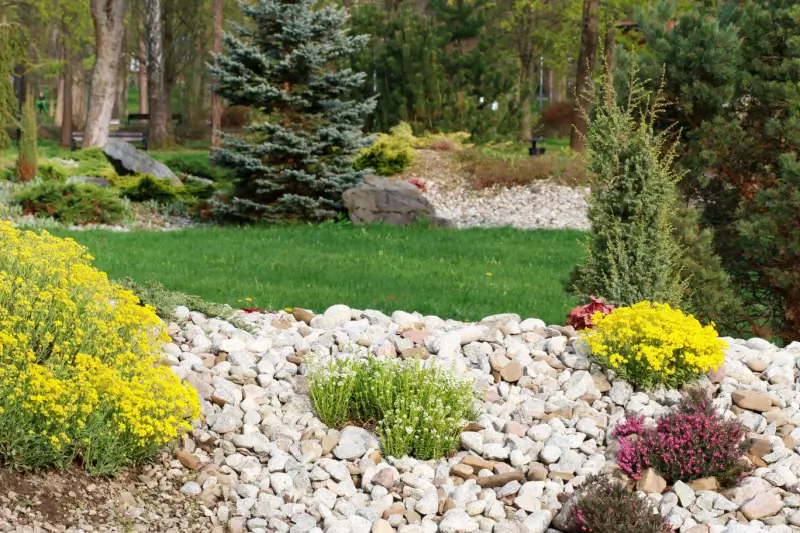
(165, 301)
(194, 166)
(72, 203)
(196, 189)
(89, 155)
(419, 411)
(390, 154)
(145, 187)
(605, 505)
(52, 172)
(93, 163)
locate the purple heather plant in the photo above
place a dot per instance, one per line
(692, 442)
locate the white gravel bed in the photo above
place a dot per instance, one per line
(261, 461)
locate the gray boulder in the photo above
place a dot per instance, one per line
(128, 160)
(390, 201)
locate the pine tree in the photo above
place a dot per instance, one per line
(734, 82)
(28, 149)
(297, 161)
(632, 254)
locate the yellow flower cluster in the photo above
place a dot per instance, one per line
(78, 368)
(654, 344)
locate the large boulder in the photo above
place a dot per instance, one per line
(128, 160)
(390, 201)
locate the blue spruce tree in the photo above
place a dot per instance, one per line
(296, 159)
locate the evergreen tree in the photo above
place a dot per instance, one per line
(632, 253)
(28, 149)
(734, 80)
(297, 160)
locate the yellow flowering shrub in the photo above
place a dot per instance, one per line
(653, 344)
(78, 369)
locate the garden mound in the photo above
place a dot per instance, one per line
(260, 460)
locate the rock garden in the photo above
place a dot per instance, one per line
(354, 420)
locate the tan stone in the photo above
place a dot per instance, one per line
(752, 400)
(477, 463)
(511, 372)
(498, 361)
(449, 503)
(760, 448)
(463, 471)
(777, 417)
(537, 472)
(294, 359)
(762, 505)
(756, 365)
(375, 455)
(566, 476)
(651, 482)
(396, 508)
(601, 383)
(188, 460)
(218, 400)
(704, 483)
(413, 517)
(329, 442)
(302, 315)
(490, 482)
(381, 526)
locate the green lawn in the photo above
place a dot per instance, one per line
(466, 274)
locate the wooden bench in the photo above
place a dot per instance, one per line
(132, 137)
(145, 117)
(533, 150)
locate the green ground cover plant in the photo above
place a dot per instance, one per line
(466, 274)
(417, 410)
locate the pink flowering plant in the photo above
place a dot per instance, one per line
(605, 505)
(692, 442)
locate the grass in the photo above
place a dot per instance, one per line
(466, 274)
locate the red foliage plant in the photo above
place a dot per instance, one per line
(419, 184)
(581, 316)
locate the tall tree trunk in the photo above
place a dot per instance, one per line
(59, 107)
(551, 96)
(78, 95)
(143, 95)
(122, 76)
(158, 134)
(65, 101)
(216, 104)
(583, 80)
(194, 104)
(108, 16)
(525, 101)
(609, 43)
